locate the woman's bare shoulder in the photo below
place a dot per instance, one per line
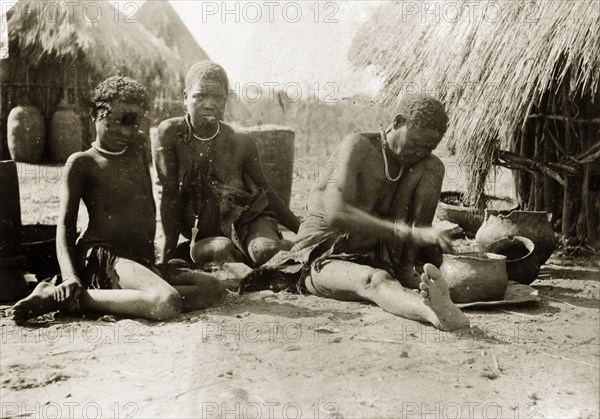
(170, 129)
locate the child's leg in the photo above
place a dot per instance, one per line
(143, 294)
(198, 290)
(263, 240)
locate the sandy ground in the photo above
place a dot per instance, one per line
(283, 355)
(266, 355)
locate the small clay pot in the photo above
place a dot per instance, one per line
(535, 225)
(475, 276)
(522, 264)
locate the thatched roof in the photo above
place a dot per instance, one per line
(162, 20)
(90, 33)
(490, 66)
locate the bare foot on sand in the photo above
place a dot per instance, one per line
(40, 301)
(436, 295)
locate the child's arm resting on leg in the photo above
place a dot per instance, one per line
(165, 159)
(66, 232)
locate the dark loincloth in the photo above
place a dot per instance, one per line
(316, 244)
(96, 260)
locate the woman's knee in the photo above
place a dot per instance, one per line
(376, 279)
(346, 281)
(262, 249)
(215, 249)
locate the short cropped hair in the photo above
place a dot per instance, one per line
(119, 89)
(206, 71)
(422, 112)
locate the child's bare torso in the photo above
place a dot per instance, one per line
(118, 197)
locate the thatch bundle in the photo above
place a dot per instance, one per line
(61, 50)
(90, 33)
(496, 66)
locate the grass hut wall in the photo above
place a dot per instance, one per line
(63, 49)
(520, 81)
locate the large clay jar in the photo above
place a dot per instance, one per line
(475, 276)
(522, 264)
(534, 225)
(26, 134)
(66, 133)
(450, 208)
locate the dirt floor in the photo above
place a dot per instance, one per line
(266, 355)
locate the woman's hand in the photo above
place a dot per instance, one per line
(431, 236)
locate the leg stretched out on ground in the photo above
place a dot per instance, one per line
(344, 280)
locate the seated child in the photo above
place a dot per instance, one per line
(110, 269)
(215, 192)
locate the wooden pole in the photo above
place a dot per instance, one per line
(568, 195)
(514, 147)
(550, 185)
(3, 127)
(566, 212)
(586, 231)
(528, 151)
(524, 177)
(538, 177)
(593, 106)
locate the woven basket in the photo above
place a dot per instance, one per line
(276, 151)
